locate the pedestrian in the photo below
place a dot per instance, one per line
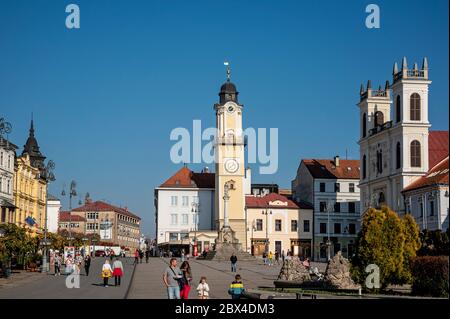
(106, 272)
(236, 288)
(185, 285)
(233, 260)
(147, 255)
(141, 255)
(171, 277)
(57, 263)
(270, 256)
(87, 264)
(203, 289)
(68, 265)
(264, 255)
(136, 256)
(277, 257)
(111, 255)
(117, 271)
(283, 256)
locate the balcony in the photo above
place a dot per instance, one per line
(380, 128)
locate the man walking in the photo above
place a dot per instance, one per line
(87, 264)
(171, 276)
(233, 260)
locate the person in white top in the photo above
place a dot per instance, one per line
(203, 289)
(106, 272)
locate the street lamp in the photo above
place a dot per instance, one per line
(48, 176)
(72, 193)
(195, 209)
(267, 213)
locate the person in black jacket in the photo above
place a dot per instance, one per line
(233, 260)
(87, 264)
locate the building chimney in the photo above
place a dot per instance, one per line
(336, 161)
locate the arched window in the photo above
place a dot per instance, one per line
(381, 198)
(398, 156)
(380, 161)
(415, 154)
(415, 107)
(398, 109)
(364, 125)
(364, 167)
(379, 118)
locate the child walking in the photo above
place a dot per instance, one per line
(236, 288)
(203, 289)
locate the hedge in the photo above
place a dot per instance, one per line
(430, 276)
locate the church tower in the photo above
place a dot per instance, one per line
(230, 162)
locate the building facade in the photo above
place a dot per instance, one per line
(7, 158)
(277, 224)
(427, 199)
(116, 226)
(184, 204)
(331, 187)
(71, 223)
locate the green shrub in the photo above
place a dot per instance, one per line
(430, 276)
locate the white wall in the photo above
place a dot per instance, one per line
(165, 209)
(53, 209)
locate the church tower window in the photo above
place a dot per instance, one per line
(364, 167)
(398, 154)
(364, 125)
(379, 118)
(415, 154)
(415, 107)
(398, 109)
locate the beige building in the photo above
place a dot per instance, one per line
(77, 223)
(115, 225)
(275, 223)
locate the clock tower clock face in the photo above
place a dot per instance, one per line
(230, 108)
(231, 166)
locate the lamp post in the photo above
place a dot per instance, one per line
(195, 209)
(267, 213)
(72, 193)
(47, 174)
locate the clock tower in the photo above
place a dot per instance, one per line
(230, 165)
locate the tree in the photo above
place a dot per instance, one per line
(388, 242)
(17, 243)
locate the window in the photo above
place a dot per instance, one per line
(421, 209)
(185, 201)
(352, 229)
(415, 107)
(415, 154)
(323, 206)
(173, 200)
(322, 187)
(184, 236)
(173, 219)
(351, 187)
(195, 199)
(397, 109)
(259, 224)
(337, 207)
(184, 219)
(381, 198)
(379, 118)
(431, 208)
(173, 236)
(294, 225)
(398, 154)
(337, 187)
(364, 167)
(337, 228)
(380, 161)
(306, 226)
(277, 224)
(364, 125)
(323, 228)
(351, 207)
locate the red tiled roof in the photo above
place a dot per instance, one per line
(437, 147)
(438, 175)
(264, 202)
(64, 217)
(99, 206)
(326, 168)
(187, 178)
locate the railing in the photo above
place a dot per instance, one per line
(374, 93)
(380, 128)
(409, 74)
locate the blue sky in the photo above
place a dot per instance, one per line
(105, 97)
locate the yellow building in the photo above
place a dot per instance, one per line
(29, 188)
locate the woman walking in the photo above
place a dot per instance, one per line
(87, 264)
(106, 272)
(203, 289)
(117, 271)
(186, 280)
(136, 256)
(57, 264)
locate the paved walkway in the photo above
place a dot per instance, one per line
(48, 286)
(148, 284)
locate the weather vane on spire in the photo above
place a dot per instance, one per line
(227, 64)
